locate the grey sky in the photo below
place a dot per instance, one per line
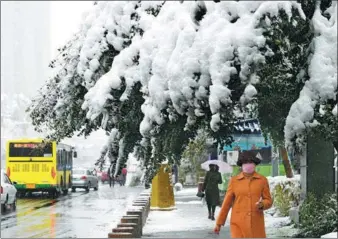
(65, 20)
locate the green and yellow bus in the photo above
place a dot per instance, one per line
(38, 165)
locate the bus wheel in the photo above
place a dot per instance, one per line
(73, 189)
(65, 191)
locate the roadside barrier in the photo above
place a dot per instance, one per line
(132, 223)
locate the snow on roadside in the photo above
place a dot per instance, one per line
(330, 235)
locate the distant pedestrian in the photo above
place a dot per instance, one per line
(124, 175)
(248, 194)
(210, 186)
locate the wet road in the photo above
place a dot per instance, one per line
(75, 215)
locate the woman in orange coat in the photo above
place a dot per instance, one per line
(248, 194)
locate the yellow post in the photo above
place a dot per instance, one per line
(162, 192)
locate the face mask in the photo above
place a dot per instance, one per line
(248, 167)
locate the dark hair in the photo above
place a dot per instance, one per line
(248, 157)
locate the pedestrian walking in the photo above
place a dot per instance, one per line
(249, 195)
(210, 187)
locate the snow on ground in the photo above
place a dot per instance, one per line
(330, 235)
(189, 220)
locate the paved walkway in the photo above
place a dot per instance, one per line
(189, 220)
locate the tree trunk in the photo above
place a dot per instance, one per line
(286, 162)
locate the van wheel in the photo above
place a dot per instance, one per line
(73, 189)
(65, 191)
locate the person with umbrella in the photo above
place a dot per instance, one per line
(210, 186)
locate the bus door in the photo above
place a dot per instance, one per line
(64, 168)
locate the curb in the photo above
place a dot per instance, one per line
(132, 223)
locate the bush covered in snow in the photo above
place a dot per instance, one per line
(318, 216)
(178, 187)
(135, 181)
(286, 194)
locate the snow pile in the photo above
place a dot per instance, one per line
(282, 180)
(322, 85)
(330, 235)
(178, 187)
(187, 64)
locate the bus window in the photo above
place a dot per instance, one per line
(30, 150)
(63, 158)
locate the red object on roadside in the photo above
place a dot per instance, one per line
(124, 171)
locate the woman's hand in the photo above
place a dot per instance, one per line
(260, 204)
(217, 229)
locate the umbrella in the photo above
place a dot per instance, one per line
(223, 166)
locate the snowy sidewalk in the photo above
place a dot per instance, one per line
(190, 220)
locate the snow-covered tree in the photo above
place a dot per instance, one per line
(314, 109)
(157, 72)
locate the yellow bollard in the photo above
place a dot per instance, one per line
(162, 195)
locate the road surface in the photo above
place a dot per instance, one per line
(75, 215)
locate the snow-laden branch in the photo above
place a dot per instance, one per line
(322, 85)
(186, 63)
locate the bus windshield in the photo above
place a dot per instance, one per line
(30, 150)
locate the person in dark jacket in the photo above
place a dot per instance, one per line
(210, 186)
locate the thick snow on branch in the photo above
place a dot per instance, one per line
(322, 85)
(186, 62)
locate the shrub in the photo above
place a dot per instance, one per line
(135, 181)
(318, 216)
(178, 187)
(286, 194)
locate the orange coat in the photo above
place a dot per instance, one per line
(243, 194)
